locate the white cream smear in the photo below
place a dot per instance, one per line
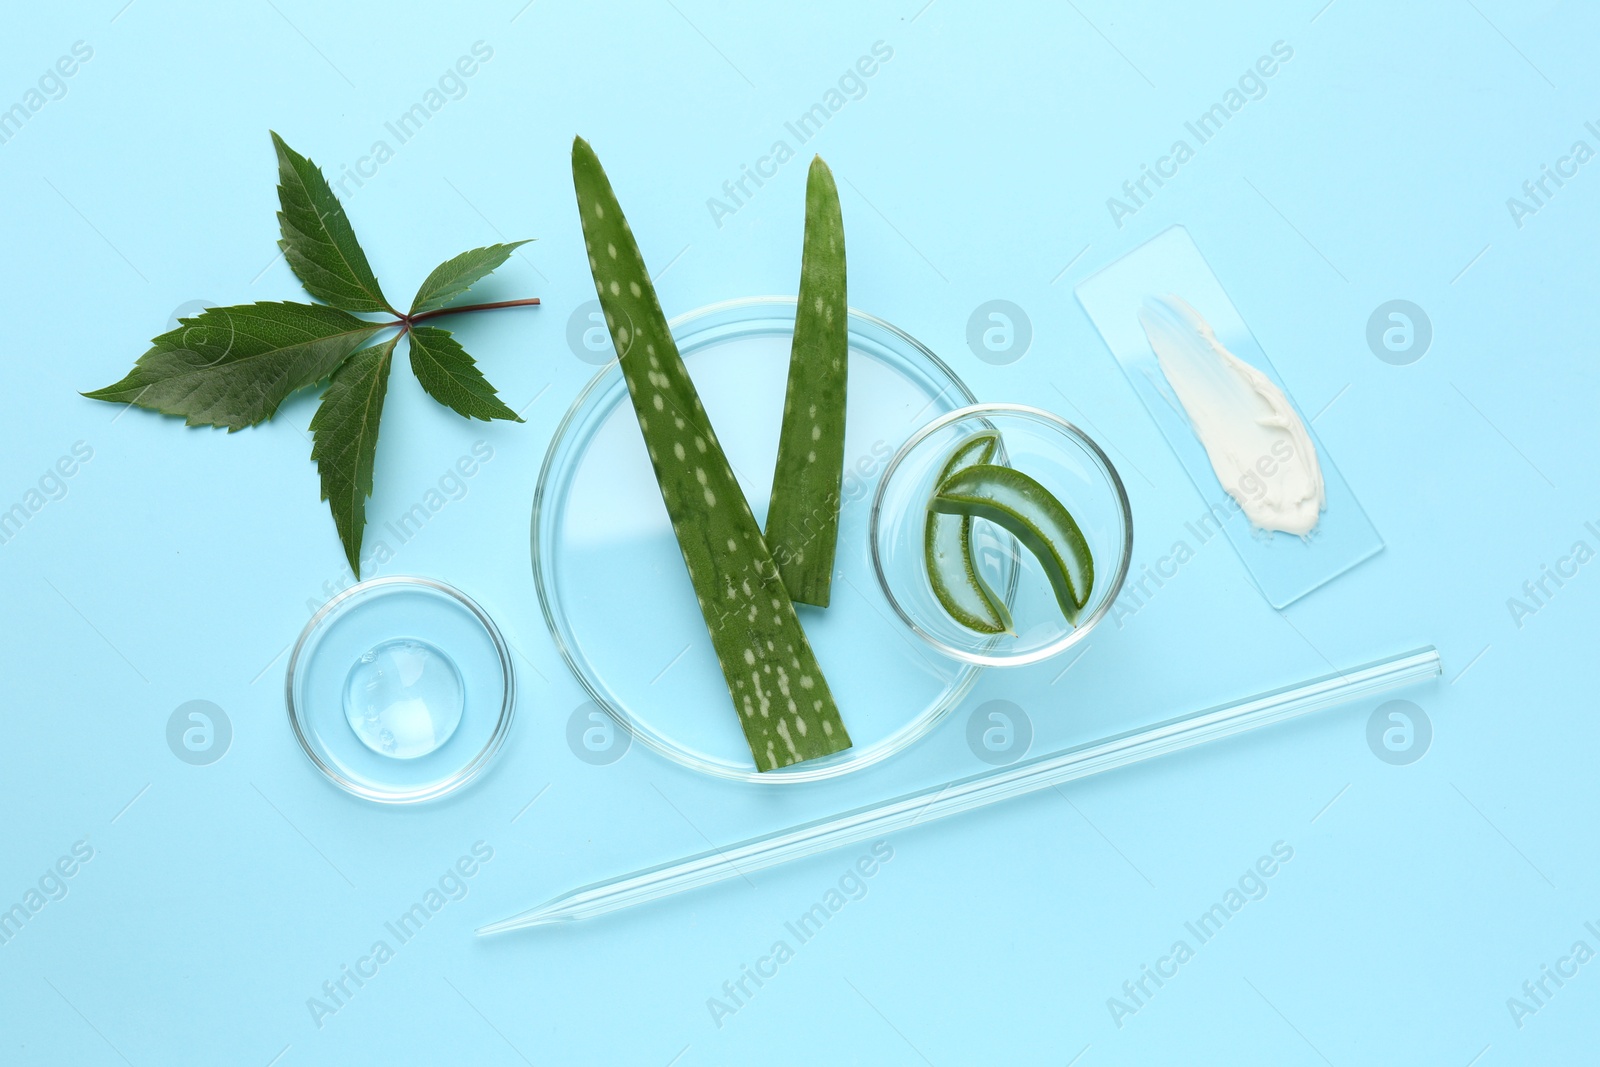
(1257, 445)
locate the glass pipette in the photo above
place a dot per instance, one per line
(988, 787)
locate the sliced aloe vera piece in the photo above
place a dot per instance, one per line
(947, 542)
(1034, 516)
(782, 699)
(803, 518)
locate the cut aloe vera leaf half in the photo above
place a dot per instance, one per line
(781, 698)
(947, 543)
(1012, 500)
(803, 518)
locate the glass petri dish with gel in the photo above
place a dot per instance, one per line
(400, 689)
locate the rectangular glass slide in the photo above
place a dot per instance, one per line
(1284, 566)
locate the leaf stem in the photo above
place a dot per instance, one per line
(412, 320)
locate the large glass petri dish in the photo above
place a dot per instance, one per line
(612, 583)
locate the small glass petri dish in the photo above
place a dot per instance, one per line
(1059, 456)
(400, 689)
(611, 580)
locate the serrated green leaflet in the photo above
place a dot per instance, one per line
(947, 544)
(452, 377)
(318, 242)
(344, 440)
(458, 274)
(780, 696)
(803, 517)
(233, 366)
(1013, 500)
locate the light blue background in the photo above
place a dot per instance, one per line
(179, 564)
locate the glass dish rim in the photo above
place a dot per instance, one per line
(812, 770)
(466, 773)
(1113, 479)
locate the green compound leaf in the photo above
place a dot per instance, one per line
(780, 696)
(452, 377)
(456, 275)
(947, 544)
(1011, 499)
(233, 366)
(803, 517)
(317, 239)
(344, 435)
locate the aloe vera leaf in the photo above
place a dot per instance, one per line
(1011, 499)
(803, 517)
(782, 700)
(947, 541)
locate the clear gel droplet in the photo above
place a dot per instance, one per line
(404, 698)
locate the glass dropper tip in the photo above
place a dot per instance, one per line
(536, 917)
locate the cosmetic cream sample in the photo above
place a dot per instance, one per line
(1258, 447)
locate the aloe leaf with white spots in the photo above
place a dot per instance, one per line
(803, 518)
(778, 691)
